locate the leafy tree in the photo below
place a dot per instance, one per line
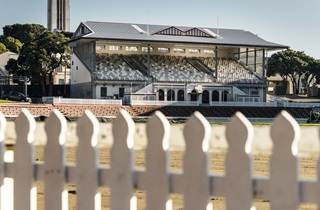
(39, 58)
(289, 64)
(12, 44)
(2, 48)
(313, 71)
(23, 32)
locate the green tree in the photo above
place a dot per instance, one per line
(39, 58)
(313, 71)
(3, 48)
(289, 64)
(12, 44)
(23, 32)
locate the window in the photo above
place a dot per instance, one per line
(170, 95)
(194, 51)
(205, 97)
(163, 50)
(181, 95)
(161, 95)
(208, 51)
(100, 47)
(131, 49)
(254, 92)
(115, 48)
(145, 49)
(179, 50)
(61, 81)
(103, 92)
(77, 68)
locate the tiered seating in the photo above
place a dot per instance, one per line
(35, 110)
(165, 68)
(174, 69)
(231, 71)
(97, 110)
(113, 67)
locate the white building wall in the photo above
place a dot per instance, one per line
(79, 72)
(4, 58)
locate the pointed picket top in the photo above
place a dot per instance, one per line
(318, 175)
(285, 134)
(25, 125)
(157, 163)
(3, 126)
(239, 134)
(123, 127)
(54, 180)
(56, 127)
(197, 133)
(159, 126)
(88, 196)
(122, 163)
(25, 191)
(287, 130)
(88, 128)
(197, 128)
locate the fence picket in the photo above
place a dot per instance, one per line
(197, 132)
(317, 192)
(238, 178)
(55, 193)
(25, 193)
(3, 125)
(122, 163)
(157, 163)
(283, 188)
(285, 134)
(88, 196)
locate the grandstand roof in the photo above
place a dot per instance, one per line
(170, 34)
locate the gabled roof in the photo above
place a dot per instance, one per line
(169, 34)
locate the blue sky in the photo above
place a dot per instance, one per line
(294, 23)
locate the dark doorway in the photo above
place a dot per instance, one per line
(161, 95)
(215, 96)
(181, 95)
(194, 95)
(205, 97)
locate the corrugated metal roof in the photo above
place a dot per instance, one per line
(125, 31)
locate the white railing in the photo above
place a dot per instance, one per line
(236, 103)
(165, 103)
(284, 189)
(86, 101)
(301, 105)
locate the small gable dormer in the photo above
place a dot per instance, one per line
(170, 31)
(82, 30)
(174, 31)
(196, 32)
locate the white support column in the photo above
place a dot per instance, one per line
(165, 94)
(176, 94)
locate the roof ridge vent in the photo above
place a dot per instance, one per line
(138, 29)
(212, 33)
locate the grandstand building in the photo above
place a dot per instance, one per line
(168, 64)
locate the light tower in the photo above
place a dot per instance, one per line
(59, 15)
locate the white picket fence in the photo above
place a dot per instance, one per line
(284, 189)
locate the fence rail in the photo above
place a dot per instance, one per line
(283, 188)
